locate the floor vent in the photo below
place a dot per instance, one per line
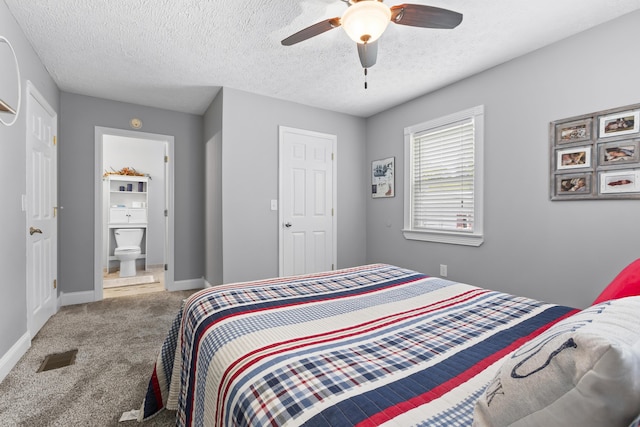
(58, 360)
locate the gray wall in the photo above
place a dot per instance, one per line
(563, 252)
(213, 191)
(79, 115)
(13, 300)
(250, 180)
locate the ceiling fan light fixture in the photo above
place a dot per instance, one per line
(366, 20)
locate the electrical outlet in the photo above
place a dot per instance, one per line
(443, 270)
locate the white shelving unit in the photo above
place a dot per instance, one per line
(127, 203)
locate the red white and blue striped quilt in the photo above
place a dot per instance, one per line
(365, 346)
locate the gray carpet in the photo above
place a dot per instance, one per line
(118, 341)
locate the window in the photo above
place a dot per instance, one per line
(443, 176)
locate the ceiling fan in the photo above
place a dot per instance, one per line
(365, 21)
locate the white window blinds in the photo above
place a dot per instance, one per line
(442, 180)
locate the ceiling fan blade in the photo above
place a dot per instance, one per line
(312, 31)
(368, 53)
(417, 15)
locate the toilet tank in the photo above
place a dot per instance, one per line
(128, 236)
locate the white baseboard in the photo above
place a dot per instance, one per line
(187, 285)
(11, 357)
(83, 297)
(73, 298)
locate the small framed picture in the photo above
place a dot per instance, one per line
(618, 124)
(573, 185)
(573, 158)
(619, 152)
(382, 178)
(575, 131)
(620, 181)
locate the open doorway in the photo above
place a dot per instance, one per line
(134, 205)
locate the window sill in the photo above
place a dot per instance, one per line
(444, 237)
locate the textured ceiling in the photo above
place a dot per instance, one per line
(177, 54)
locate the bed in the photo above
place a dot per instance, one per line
(383, 345)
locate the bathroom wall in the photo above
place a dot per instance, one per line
(145, 156)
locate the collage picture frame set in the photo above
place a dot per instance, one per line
(596, 156)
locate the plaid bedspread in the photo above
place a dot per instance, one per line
(372, 345)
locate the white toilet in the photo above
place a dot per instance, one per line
(128, 249)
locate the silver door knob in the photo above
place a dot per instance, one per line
(288, 224)
(33, 230)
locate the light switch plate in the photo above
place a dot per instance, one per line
(443, 270)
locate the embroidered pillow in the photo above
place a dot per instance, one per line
(625, 284)
(584, 371)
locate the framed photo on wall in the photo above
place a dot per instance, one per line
(574, 158)
(575, 185)
(618, 124)
(619, 182)
(575, 131)
(619, 152)
(382, 178)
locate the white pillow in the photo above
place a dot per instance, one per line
(584, 371)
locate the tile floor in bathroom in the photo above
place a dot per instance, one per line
(145, 281)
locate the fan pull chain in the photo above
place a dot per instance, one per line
(365, 78)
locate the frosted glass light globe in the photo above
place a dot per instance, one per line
(366, 20)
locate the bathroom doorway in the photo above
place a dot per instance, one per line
(134, 174)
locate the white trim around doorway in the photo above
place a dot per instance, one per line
(98, 247)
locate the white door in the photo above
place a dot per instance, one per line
(307, 202)
(41, 201)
